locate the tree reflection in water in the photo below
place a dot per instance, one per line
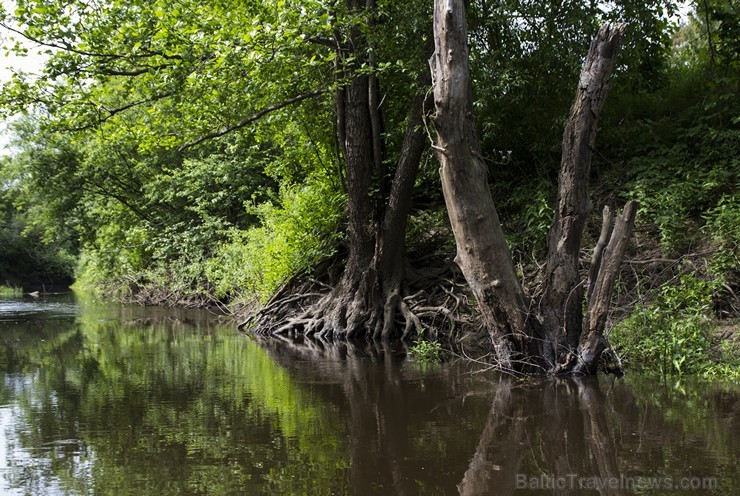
(573, 441)
(560, 436)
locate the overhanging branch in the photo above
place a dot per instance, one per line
(67, 47)
(252, 118)
(110, 112)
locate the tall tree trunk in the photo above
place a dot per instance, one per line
(564, 288)
(369, 295)
(482, 252)
(393, 229)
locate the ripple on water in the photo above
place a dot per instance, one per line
(48, 307)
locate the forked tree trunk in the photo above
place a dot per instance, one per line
(605, 265)
(564, 288)
(482, 254)
(368, 297)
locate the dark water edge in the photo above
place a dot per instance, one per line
(131, 400)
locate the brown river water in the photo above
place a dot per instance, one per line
(115, 400)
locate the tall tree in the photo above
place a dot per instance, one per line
(177, 78)
(370, 293)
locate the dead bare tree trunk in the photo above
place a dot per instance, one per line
(578, 344)
(482, 252)
(604, 269)
(562, 304)
(555, 339)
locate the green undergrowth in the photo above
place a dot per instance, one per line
(204, 263)
(295, 233)
(426, 352)
(674, 335)
(10, 291)
(676, 152)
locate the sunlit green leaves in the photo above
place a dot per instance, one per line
(195, 68)
(294, 234)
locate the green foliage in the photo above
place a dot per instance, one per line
(684, 178)
(135, 81)
(671, 334)
(187, 65)
(681, 143)
(294, 234)
(33, 251)
(723, 225)
(104, 163)
(26, 259)
(681, 146)
(526, 57)
(526, 212)
(153, 221)
(426, 352)
(428, 232)
(711, 35)
(10, 291)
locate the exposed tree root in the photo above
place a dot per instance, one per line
(136, 290)
(434, 301)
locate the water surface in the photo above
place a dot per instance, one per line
(121, 400)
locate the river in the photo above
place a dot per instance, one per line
(116, 400)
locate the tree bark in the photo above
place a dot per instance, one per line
(564, 290)
(393, 229)
(605, 269)
(482, 252)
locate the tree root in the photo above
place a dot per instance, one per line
(438, 303)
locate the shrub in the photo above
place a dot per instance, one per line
(426, 351)
(10, 291)
(294, 234)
